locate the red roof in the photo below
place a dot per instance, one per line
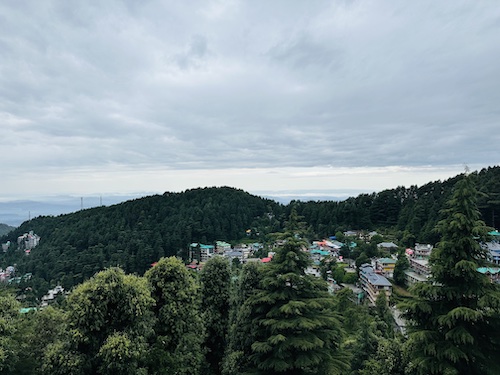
(266, 260)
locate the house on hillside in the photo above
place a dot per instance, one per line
(493, 251)
(221, 247)
(373, 283)
(390, 246)
(200, 252)
(422, 251)
(385, 266)
(51, 295)
(492, 273)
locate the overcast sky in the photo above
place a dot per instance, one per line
(332, 97)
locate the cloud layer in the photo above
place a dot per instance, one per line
(223, 85)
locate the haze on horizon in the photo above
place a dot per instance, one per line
(282, 98)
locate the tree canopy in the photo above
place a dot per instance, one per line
(454, 319)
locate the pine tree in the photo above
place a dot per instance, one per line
(296, 330)
(402, 264)
(454, 319)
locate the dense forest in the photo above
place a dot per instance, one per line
(136, 233)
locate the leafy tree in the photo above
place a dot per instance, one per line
(297, 331)
(389, 359)
(9, 324)
(38, 331)
(454, 320)
(110, 319)
(178, 327)
(215, 283)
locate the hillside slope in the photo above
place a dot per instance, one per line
(136, 233)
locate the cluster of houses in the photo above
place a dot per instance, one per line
(28, 241)
(25, 242)
(51, 296)
(200, 253)
(419, 270)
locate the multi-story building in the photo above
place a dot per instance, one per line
(373, 283)
(221, 247)
(200, 252)
(385, 266)
(422, 251)
(492, 273)
(493, 251)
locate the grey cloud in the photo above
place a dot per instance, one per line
(268, 84)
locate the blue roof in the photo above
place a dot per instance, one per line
(491, 270)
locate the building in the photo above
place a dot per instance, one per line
(391, 246)
(493, 248)
(373, 283)
(200, 252)
(492, 273)
(222, 247)
(5, 246)
(422, 251)
(385, 266)
(28, 241)
(234, 255)
(51, 295)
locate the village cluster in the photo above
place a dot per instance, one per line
(373, 276)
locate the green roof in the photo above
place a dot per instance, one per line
(25, 310)
(386, 260)
(491, 270)
(494, 233)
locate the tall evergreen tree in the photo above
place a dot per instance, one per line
(297, 331)
(454, 319)
(402, 264)
(215, 283)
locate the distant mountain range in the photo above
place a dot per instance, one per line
(4, 229)
(15, 212)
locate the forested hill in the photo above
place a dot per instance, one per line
(136, 233)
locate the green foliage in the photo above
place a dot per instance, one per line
(454, 321)
(178, 328)
(389, 359)
(9, 325)
(136, 233)
(241, 329)
(215, 283)
(296, 329)
(109, 317)
(402, 264)
(120, 355)
(39, 329)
